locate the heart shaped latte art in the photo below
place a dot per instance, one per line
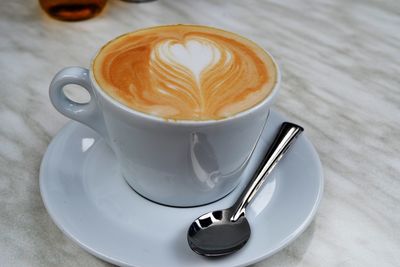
(185, 72)
(194, 55)
(180, 69)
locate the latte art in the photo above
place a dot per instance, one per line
(185, 72)
(190, 65)
(195, 55)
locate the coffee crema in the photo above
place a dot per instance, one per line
(185, 72)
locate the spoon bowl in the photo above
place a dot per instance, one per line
(215, 234)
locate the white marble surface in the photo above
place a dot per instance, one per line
(341, 79)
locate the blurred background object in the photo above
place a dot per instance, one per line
(72, 10)
(138, 1)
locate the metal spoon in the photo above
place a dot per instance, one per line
(223, 232)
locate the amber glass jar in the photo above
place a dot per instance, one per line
(72, 10)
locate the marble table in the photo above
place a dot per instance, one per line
(340, 62)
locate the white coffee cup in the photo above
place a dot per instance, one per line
(177, 163)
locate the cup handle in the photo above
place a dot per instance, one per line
(87, 113)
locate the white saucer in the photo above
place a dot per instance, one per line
(93, 205)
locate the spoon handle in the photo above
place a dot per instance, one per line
(285, 138)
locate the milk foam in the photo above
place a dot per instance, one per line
(195, 54)
(185, 72)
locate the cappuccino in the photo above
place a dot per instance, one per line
(185, 72)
